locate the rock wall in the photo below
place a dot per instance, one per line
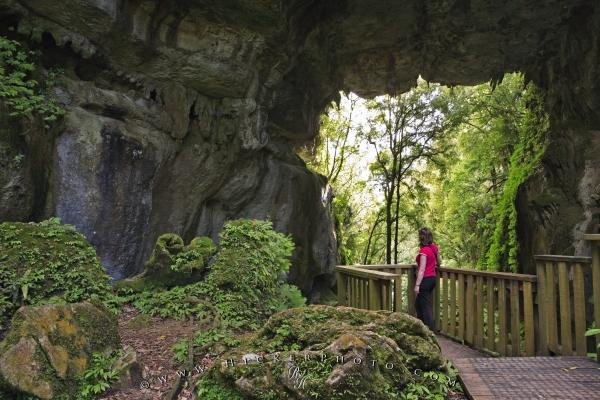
(168, 129)
(181, 115)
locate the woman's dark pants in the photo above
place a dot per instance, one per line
(423, 303)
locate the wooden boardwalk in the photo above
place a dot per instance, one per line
(521, 378)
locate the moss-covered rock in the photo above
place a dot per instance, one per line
(172, 263)
(243, 286)
(324, 352)
(48, 263)
(48, 347)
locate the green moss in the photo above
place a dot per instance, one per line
(40, 263)
(172, 264)
(243, 286)
(209, 389)
(60, 340)
(503, 251)
(100, 328)
(380, 350)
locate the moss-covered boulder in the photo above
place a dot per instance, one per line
(172, 263)
(324, 352)
(48, 262)
(47, 348)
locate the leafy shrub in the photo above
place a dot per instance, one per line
(593, 331)
(290, 297)
(242, 288)
(179, 302)
(216, 339)
(214, 336)
(433, 385)
(48, 263)
(181, 350)
(195, 255)
(18, 89)
(207, 389)
(171, 264)
(99, 376)
(251, 258)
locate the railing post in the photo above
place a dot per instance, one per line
(341, 288)
(436, 302)
(491, 317)
(501, 318)
(595, 239)
(374, 294)
(411, 293)
(551, 321)
(566, 338)
(398, 292)
(542, 309)
(579, 310)
(528, 319)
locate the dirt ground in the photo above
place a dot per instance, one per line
(152, 339)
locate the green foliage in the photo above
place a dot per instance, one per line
(179, 302)
(472, 202)
(99, 376)
(594, 332)
(18, 159)
(523, 162)
(251, 258)
(195, 255)
(206, 339)
(19, 90)
(171, 264)
(181, 350)
(48, 263)
(243, 287)
(208, 389)
(171, 254)
(432, 385)
(291, 297)
(455, 161)
(336, 154)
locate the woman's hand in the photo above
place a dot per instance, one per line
(417, 289)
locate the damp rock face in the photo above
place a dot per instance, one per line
(182, 115)
(48, 347)
(327, 352)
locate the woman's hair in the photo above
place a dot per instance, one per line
(425, 237)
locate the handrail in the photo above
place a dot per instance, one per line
(391, 266)
(470, 271)
(364, 273)
(492, 274)
(557, 258)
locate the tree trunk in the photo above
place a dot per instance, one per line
(397, 219)
(388, 226)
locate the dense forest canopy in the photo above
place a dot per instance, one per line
(448, 158)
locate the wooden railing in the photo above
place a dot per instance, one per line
(500, 313)
(563, 305)
(489, 311)
(362, 288)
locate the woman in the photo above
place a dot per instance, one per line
(427, 261)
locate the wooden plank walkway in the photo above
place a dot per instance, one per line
(521, 378)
